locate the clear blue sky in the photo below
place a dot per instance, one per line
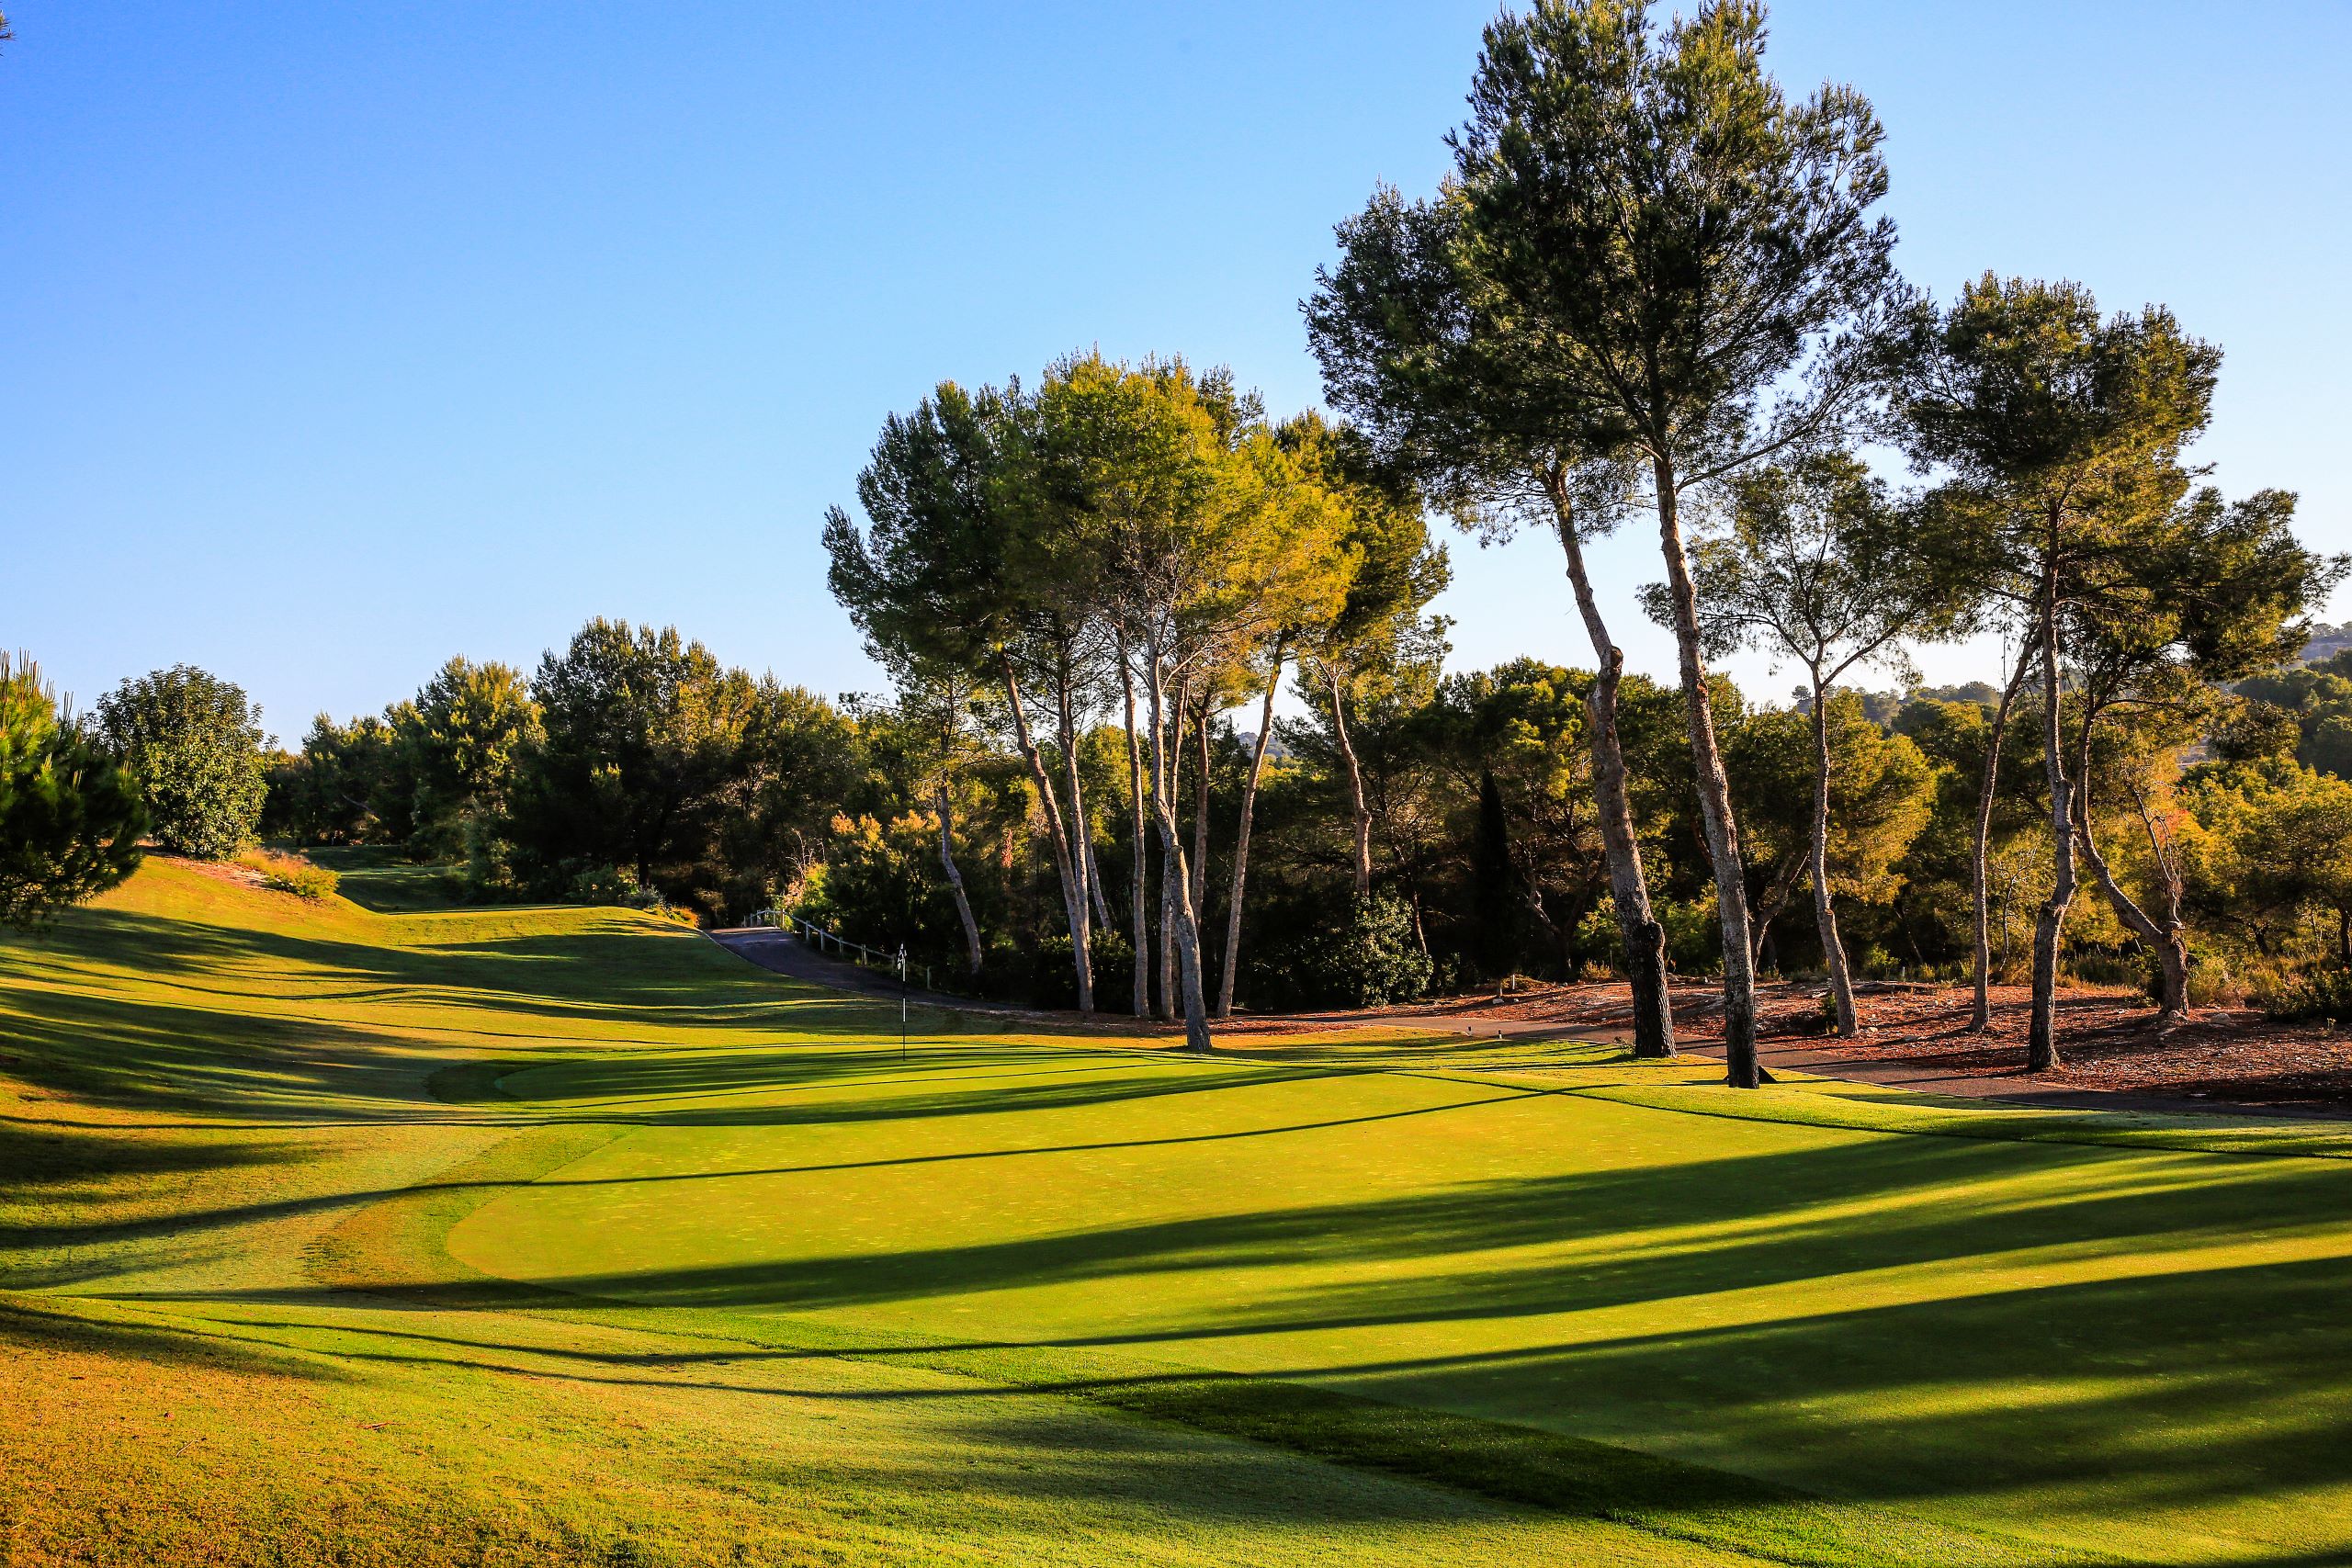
(338, 339)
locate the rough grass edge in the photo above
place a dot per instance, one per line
(288, 873)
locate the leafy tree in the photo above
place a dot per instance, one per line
(2285, 833)
(347, 786)
(1819, 566)
(641, 739)
(940, 578)
(798, 762)
(2207, 593)
(461, 738)
(1370, 956)
(1880, 787)
(1524, 728)
(194, 743)
(70, 818)
(1207, 537)
(2061, 431)
(1490, 879)
(2318, 697)
(1456, 386)
(1973, 736)
(1702, 248)
(1392, 574)
(935, 747)
(1374, 574)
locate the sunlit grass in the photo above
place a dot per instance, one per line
(572, 1237)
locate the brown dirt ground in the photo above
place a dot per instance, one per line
(1913, 1034)
(2107, 1036)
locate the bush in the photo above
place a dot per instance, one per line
(617, 885)
(1369, 957)
(290, 874)
(2316, 994)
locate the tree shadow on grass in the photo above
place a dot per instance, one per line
(2183, 1382)
(30, 1324)
(2181, 1385)
(186, 1221)
(42, 1158)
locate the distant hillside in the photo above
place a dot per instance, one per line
(2328, 642)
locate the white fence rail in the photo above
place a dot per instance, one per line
(824, 941)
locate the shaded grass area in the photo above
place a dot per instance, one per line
(567, 1236)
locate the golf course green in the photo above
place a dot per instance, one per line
(379, 1231)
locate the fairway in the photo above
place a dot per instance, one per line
(561, 1235)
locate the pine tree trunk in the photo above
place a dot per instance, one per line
(1743, 1071)
(1199, 887)
(1081, 854)
(1175, 877)
(1643, 938)
(955, 877)
(2041, 1035)
(1094, 883)
(1980, 1016)
(1168, 864)
(1231, 958)
(1137, 888)
(1825, 909)
(1073, 897)
(2165, 938)
(1359, 815)
(1768, 907)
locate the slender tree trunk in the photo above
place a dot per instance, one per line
(2041, 1035)
(1359, 815)
(1073, 894)
(1173, 781)
(1825, 908)
(1980, 1016)
(1769, 906)
(1643, 938)
(1094, 880)
(955, 877)
(2167, 938)
(1201, 814)
(2344, 936)
(1175, 876)
(1094, 883)
(1231, 958)
(2168, 941)
(1080, 852)
(1714, 795)
(1137, 888)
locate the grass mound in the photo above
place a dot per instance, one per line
(561, 1235)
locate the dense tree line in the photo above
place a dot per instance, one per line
(1653, 281)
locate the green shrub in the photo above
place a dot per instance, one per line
(2315, 994)
(617, 885)
(290, 874)
(1367, 957)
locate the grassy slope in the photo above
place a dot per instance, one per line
(551, 1235)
